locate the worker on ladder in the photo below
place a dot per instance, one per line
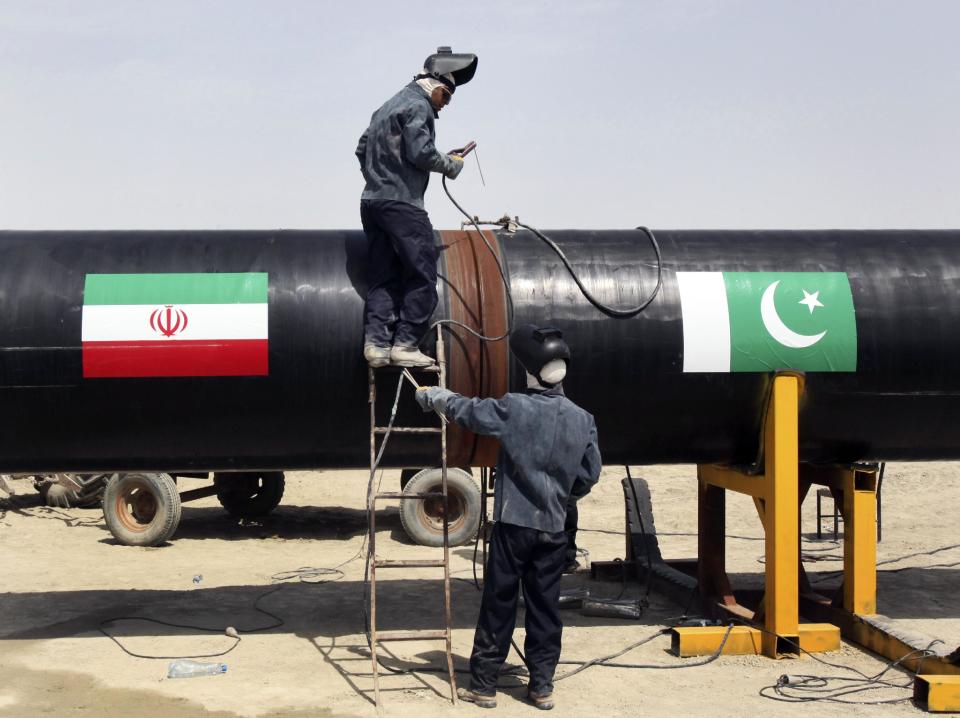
(397, 155)
(548, 455)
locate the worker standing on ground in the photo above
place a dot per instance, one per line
(397, 155)
(548, 456)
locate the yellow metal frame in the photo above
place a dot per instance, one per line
(747, 640)
(778, 493)
(937, 694)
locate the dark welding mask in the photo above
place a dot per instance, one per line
(542, 352)
(445, 62)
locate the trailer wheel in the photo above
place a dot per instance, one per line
(423, 519)
(64, 497)
(247, 495)
(141, 509)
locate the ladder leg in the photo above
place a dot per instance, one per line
(371, 537)
(442, 361)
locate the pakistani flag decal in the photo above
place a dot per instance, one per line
(764, 321)
(191, 324)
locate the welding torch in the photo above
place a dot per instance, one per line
(409, 377)
(465, 150)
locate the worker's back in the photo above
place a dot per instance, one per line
(389, 172)
(548, 453)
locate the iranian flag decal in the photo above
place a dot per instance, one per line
(142, 325)
(764, 321)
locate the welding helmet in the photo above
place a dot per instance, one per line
(445, 63)
(542, 352)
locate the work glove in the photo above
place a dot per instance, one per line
(433, 398)
(454, 167)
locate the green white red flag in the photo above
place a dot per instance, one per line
(196, 324)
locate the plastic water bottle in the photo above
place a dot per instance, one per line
(184, 668)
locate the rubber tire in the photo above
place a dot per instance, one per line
(407, 474)
(248, 495)
(132, 530)
(53, 494)
(463, 493)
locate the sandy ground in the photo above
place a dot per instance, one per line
(63, 574)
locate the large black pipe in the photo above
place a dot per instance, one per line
(901, 402)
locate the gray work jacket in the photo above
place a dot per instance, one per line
(548, 453)
(397, 152)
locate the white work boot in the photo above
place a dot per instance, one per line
(376, 356)
(409, 356)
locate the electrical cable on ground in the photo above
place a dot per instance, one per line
(606, 660)
(233, 633)
(826, 576)
(806, 688)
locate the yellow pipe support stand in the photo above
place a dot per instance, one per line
(747, 640)
(781, 519)
(777, 495)
(860, 542)
(937, 694)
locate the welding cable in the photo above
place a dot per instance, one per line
(277, 622)
(606, 309)
(811, 683)
(311, 574)
(827, 575)
(606, 660)
(806, 688)
(503, 277)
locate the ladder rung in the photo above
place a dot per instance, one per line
(409, 563)
(401, 495)
(409, 635)
(408, 430)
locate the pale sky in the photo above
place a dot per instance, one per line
(596, 114)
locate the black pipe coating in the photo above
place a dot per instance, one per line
(892, 391)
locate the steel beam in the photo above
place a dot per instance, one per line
(860, 542)
(937, 694)
(747, 640)
(781, 525)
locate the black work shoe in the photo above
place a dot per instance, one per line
(478, 699)
(543, 701)
(572, 566)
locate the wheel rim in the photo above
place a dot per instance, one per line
(136, 505)
(430, 511)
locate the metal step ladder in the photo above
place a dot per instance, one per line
(374, 562)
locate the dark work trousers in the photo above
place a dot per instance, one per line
(519, 555)
(401, 272)
(570, 529)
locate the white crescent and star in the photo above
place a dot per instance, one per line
(780, 331)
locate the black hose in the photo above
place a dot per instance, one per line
(609, 311)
